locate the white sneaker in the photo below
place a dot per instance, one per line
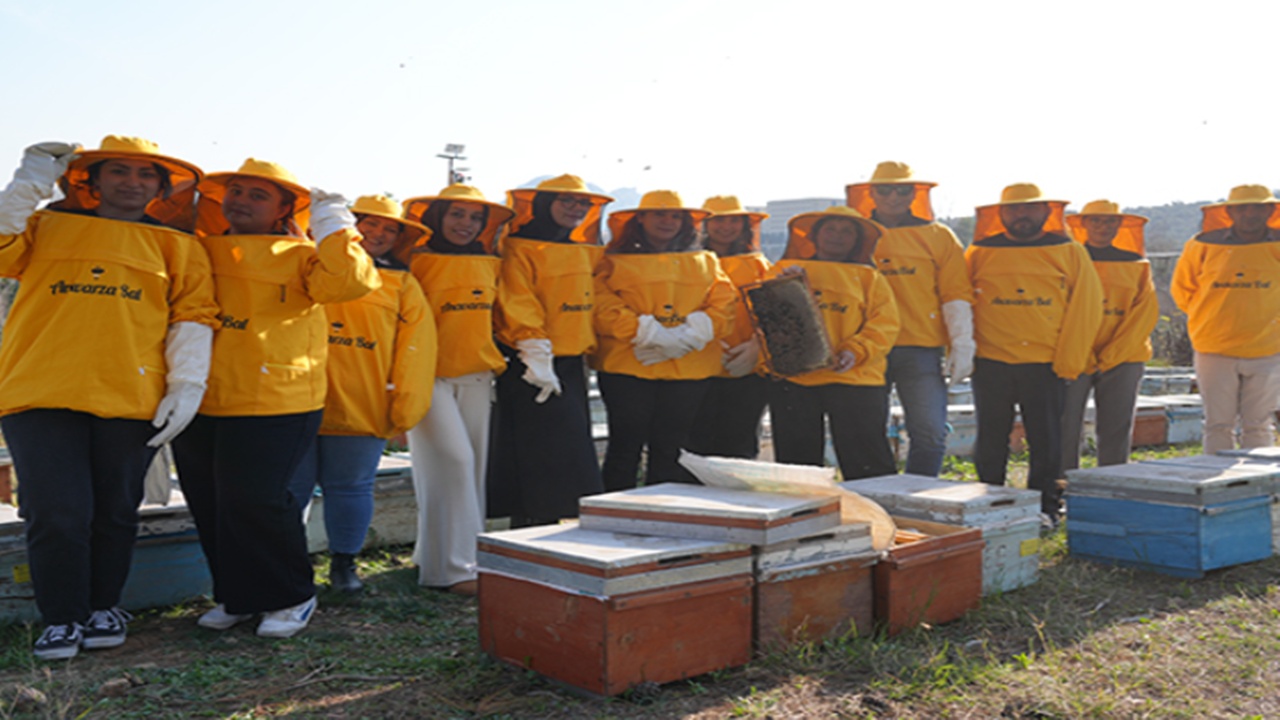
(219, 619)
(287, 622)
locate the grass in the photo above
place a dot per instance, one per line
(1086, 641)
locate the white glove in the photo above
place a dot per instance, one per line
(654, 342)
(329, 214)
(958, 315)
(695, 333)
(188, 348)
(741, 359)
(539, 371)
(33, 182)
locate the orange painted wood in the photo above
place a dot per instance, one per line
(606, 645)
(934, 579)
(822, 601)
(1150, 429)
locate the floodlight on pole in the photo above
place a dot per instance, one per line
(452, 153)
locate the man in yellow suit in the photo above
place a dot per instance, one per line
(1227, 281)
(1037, 310)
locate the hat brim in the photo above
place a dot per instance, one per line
(215, 185)
(596, 198)
(414, 207)
(404, 222)
(754, 216)
(182, 168)
(1031, 201)
(900, 181)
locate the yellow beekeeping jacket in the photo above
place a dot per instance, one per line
(461, 290)
(87, 328)
(859, 313)
(1130, 310)
(1038, 303)
(1231, 295)
(382, 360)
(547, 292)
(743, 269)
(269, 355)
(667, 286)
(924, 265)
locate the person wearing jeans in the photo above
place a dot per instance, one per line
(924, 264)
(382, 358)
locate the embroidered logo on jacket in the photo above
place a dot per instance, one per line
(1241, 284)
(123, 291)
(1023, 301)
(231, 323)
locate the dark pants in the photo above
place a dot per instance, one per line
(728, 423)
(856, 414)
(1115, 397)
(235, 474)
(81, 484)
(1038, 394)
(545, 458)
(653, 413)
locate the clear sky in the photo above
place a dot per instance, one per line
(1142, 102)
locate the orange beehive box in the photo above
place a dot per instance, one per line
(814, 588)
(603, 612)
(931, 574)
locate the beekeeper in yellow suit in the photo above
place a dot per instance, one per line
(381, 367)
(729, 421)
(662, 305)
(458, 268)
(1227, 281)
(924, 263)
(267, 385)
(545, 457)
(1130, 309)
(108, 335)
(835, 249)
(1037, 311)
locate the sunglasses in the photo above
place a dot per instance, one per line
(900, 190)
(575, 201)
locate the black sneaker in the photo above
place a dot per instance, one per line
(106, 629)
(59, 642)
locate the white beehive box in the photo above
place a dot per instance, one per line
(1009, 519)
(699, 512)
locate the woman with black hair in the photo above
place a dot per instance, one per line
(661, 305)
(109, 335)
(545, 458)
(728, 423)
(834, 248)
(458, 271)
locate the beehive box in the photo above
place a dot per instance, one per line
(604, 612)
(1269, 454)
(699, 512)
(168, 565)
(1172, 519)
(1009, 519)
(1150, 425)
(1186, 418)
(931, 574)
(1266, 471)
(814, 588)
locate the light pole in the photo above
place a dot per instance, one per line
(452, 153)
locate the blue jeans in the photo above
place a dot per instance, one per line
(917, 373)
(345, 467)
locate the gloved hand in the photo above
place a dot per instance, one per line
(740, 360)
(654, 342)
(539, 371)
(33, 182)
(958, 315)
(845, 360)
(695, 333)
(188, 348)
(329, 214)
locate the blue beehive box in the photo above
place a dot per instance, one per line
(1181, 520)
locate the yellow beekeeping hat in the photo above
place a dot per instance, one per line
(987, 222)
(411, 233)
(499, 215)
(175, 207)
(800, 242)
(587, 232)
(214, 188)
(1215, 214)
(1130, 236)
(654, 200)
(860, 197)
